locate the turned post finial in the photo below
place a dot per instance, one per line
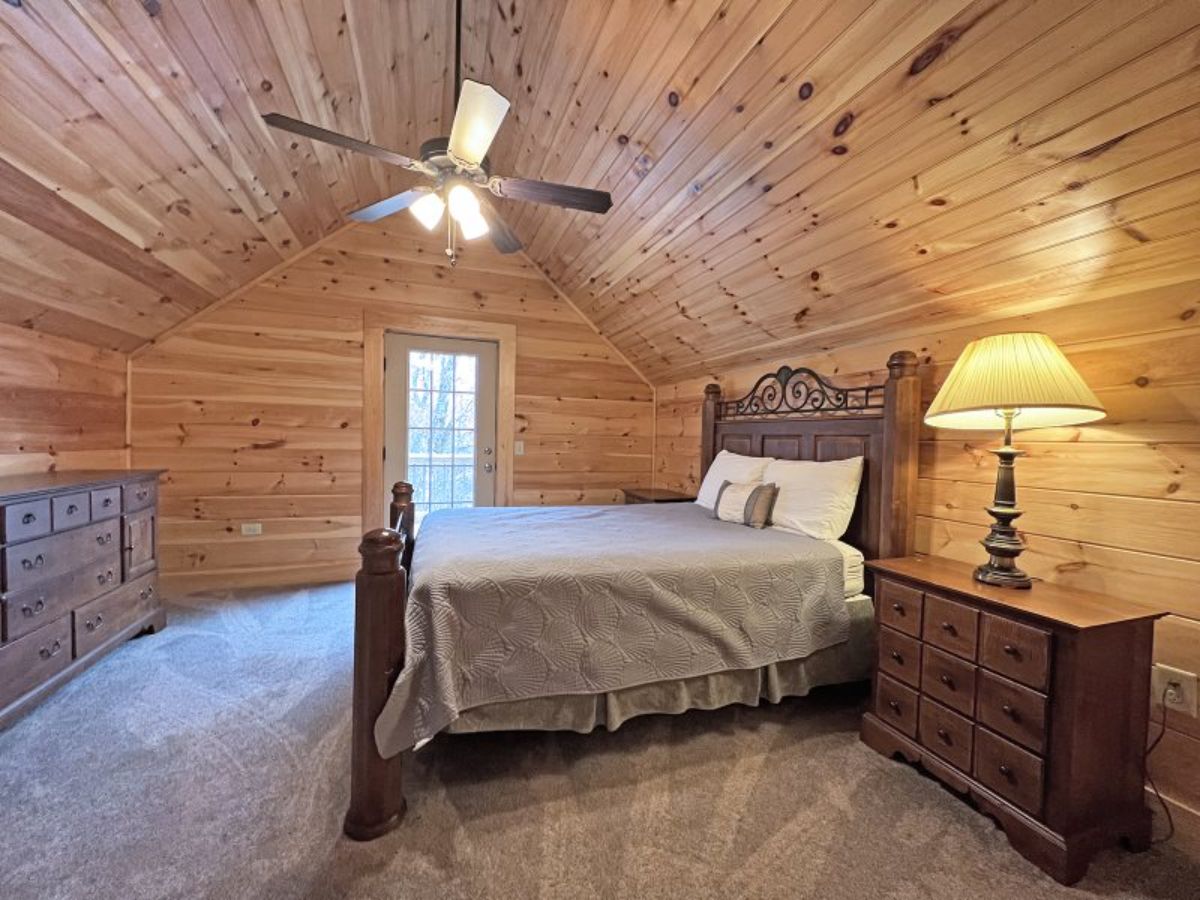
(901, 363)
(712, 391)
(380, 550)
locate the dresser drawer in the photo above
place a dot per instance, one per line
(1021, 652)
(1012, 710)
(31, 660)
(896, 705)
(99, 620)
(29, 610)
(71, 510)
(140, 495)
(946, 733)
(900, 655)
(951, 625)
(1011, 772)
(948, 679)
(31, 564)
(106, 503)
(900, 607)
(25, 521)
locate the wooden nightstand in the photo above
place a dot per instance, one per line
(1034, 704)
(655, 495)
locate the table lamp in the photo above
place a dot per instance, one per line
(1008, 380)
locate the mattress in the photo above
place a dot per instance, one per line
(852, 569)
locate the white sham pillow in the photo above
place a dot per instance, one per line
(815, 498)
(729, 467)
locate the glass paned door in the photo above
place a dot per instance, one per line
(441, 420)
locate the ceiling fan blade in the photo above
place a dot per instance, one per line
(502, 236)
(481, 110)
(554, 194)
(316, 133)
(388, 205)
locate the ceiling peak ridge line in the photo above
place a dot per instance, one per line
(684, 207)
(592, 325)
(205, 312)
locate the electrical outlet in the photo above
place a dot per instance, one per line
(249, 529)
(520, 448)
(1180, 689)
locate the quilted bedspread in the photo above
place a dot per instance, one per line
(514, 603)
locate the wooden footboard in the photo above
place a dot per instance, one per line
(380, 593)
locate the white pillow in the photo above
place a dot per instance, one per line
(815, 498)
(729, 467)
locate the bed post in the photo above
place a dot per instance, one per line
(902, 425)
(708, 427)
(401, 513)
(376, 795)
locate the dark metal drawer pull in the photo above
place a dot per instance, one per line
(1010, 712)
(72, 509)
(947, 681)
(898, 607)
(944, 735)
(1006, 771)
(898, 657)
(894, 706)
(142, 494)
(52, 650)
(30, 611)
(103, 539)
(949, 628)
(106, 502)
(92, 626)
(146, 592)
(30, 564)
(105, 577)
(28, 519)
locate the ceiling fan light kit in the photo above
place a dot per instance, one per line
(428, 210)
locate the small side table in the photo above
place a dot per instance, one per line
(655, 495)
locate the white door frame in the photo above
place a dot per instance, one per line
(375, 325)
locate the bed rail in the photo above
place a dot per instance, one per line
(380, 591)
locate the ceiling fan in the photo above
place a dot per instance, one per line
(458, 168)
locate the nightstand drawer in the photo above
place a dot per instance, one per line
(900, 655)
(900, 607)
(896, 705)
(951, 626)
(1014, 711)
(1021, 652)
(947, 734)
(1011, 772)
(948, 679)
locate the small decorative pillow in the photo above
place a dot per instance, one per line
(747, 504)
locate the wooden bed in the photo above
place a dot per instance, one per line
(788, 414)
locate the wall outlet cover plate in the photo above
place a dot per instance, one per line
(1179, 683)
(250, 529)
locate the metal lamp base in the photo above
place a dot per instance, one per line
(1003, 542)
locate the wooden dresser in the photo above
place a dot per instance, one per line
(1034, 704)
(78, 575)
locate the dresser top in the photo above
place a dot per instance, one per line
(18, 487)
(1072, 607)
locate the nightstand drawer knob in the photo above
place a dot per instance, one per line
(1010, 712)
(898, 607)
(949, 628)
(947, 681)
(1012, 651)
(1006, 771)
(894, 706)
(898, 656)
(944, 735)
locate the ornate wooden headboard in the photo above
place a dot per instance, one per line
(798, 414)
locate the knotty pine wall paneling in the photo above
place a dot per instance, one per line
(1113, 506)
(256, 407)
(62, 404)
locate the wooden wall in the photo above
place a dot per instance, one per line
(256, 407)
(62, 404)
(1113, 507)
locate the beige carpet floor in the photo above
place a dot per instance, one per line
(211, 761)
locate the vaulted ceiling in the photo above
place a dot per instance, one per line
(785, 173)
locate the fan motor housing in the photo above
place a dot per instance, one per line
(436, 152)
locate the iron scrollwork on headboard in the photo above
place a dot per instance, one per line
(799, 392)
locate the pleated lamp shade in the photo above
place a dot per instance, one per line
(1024, 371)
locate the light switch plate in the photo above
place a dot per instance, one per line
(250, 529)
(1179, 686)
(520, 448)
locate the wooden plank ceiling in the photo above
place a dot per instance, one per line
(787, 174)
